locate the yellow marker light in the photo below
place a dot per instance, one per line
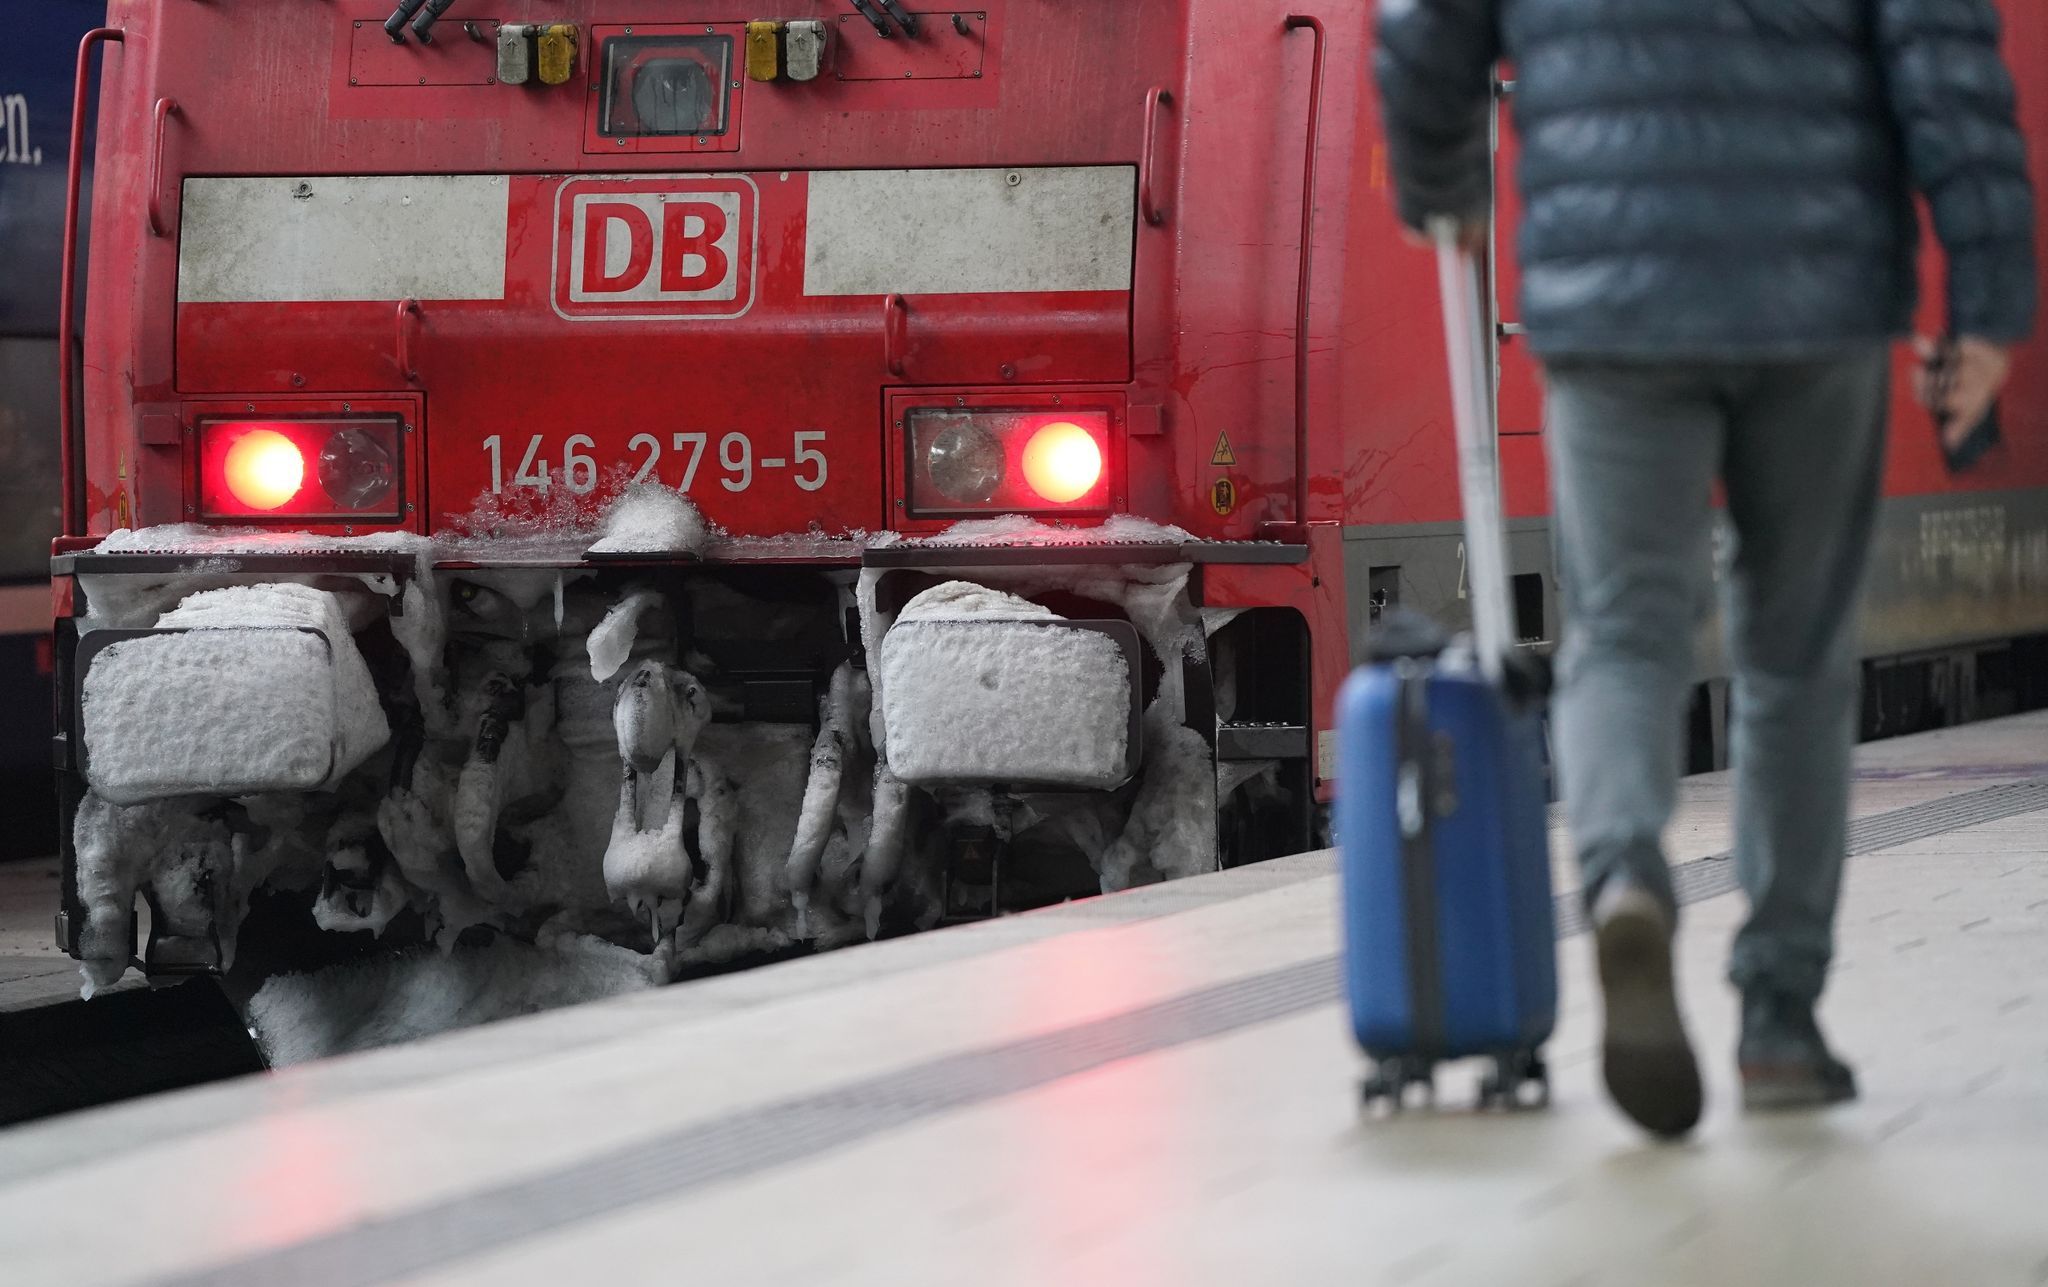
(1062, 462)
(764, 40)
(264, 469)
(557, 49)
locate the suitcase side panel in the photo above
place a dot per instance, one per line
(1534, 928)
(1373, 900)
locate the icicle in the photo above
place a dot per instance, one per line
(480, 790)
(821, 796)
(612, 642)
(885, 844)
(558, 603)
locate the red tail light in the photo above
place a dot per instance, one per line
(1062, 462)
(264, 470)
(967, 461)
(325, 469)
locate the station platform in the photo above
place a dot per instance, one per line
(1156, 1087)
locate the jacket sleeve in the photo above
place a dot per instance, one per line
(1433, 62)
(1952, 99)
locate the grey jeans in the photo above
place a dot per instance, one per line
(1635, 451)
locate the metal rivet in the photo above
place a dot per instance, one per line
(359, 24)
(709, 30)
(735, 84)
(1013, 178)
(629, 31)
(298, 381)
(423, 80)
(620, 142)
(351, 80)
(899, 504)
(1009, 372)
(249, 406)
(977, 73)
(344, 406)
(490, 80)
(1055, 399)
(404, 428)
(700, 140)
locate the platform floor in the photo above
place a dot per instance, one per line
(1151, 1088)
(33, 970)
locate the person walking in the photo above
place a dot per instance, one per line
(1718, 248)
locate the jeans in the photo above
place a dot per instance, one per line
(1635, 450)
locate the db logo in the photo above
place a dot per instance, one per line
(656, 248)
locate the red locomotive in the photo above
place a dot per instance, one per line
(720, 477)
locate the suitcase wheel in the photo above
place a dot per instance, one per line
(1387, 1086)
(1519, 1080)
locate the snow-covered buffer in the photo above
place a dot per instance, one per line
(985, 686)
(236, 691)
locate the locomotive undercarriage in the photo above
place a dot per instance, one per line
(682, 760)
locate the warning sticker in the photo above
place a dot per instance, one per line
(1223, 496)
(1223, 455)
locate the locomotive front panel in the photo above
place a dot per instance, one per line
(714, 482)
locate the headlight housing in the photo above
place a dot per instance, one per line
(666, 86)
(983, 460)
(346, 469)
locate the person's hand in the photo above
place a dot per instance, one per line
(1976, 373)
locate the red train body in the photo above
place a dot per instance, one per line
(1165, 221)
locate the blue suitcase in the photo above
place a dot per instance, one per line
(1450, 949)
(1449, 937)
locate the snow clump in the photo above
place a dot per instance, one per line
(385, 1000)
(652, 519)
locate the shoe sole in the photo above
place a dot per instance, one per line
(1769, 1091)
(1647, 1060)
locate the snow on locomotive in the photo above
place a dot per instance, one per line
(721, 480)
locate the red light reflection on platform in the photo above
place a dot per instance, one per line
(305, 1180)
(1084, 1159)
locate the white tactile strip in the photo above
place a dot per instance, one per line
(742, 1145)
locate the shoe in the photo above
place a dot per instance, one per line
(1785, 1062)
(1648, 1063)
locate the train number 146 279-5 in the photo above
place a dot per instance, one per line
(736, 464)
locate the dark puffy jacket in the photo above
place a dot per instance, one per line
(1723, 178)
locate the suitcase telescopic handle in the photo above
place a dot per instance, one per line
(1486, 558)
